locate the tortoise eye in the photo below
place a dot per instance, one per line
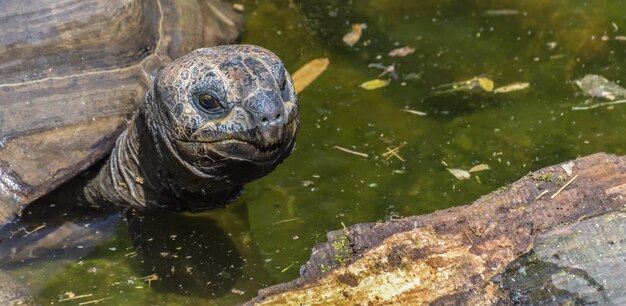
(283, 84)
(209, 103)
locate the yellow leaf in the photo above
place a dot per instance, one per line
(486, 84)
(481, 167)
(353, 36)
(459, 173)
(511, 87)
(374, 84)
(308, 73)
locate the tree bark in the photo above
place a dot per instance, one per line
(552, 236)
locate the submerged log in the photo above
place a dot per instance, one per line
(555, 236)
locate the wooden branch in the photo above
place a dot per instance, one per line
(470, 254)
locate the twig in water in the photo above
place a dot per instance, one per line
(286, 220)
(592, 106)
(95, 301)
(393, 152)
(350, 151)
(414, 112)
(561, 189)
(36, 229)
(287, 268)
(149, 278)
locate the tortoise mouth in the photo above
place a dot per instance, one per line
(261, 148)
(249, 145)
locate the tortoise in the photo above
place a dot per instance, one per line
(82, 80)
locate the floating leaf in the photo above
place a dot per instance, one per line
(353, 37)
(486, 84)
(459, 173)
(374, 84)
(401, 52)
(477, 168)
(511, 87)
(308, 73)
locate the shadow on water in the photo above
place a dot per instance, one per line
(191, 256)
(186, 255)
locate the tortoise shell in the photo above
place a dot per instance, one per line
(72, 72)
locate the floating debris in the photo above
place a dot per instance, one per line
(596, 105)
(350, 151)
(391, 70)
(374, 84)
(478, 168)
(511, 87)
(597, 86)
(483, 83)
(414, 112)
(353, 36)
(35, 229)
(285, 221)
(287, 268)
(95, 301)
(72, 296)
(401, 52)
(310, 71)
(459, 173)
(413, 76)
(551, 45)
(505, 12)
(393, 152)
(237, 291)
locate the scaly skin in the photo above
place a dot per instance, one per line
(212, 121)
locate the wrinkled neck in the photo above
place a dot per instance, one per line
(143, 173)
(121, 179)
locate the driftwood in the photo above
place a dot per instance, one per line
(532, 242)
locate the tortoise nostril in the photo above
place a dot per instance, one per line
(265, 121)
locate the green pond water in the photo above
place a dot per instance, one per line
(225, 256)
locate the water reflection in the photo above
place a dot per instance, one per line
(183, 256)
(190, 256)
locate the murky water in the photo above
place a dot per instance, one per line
(225, 256)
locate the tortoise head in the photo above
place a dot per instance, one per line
(229, 113)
